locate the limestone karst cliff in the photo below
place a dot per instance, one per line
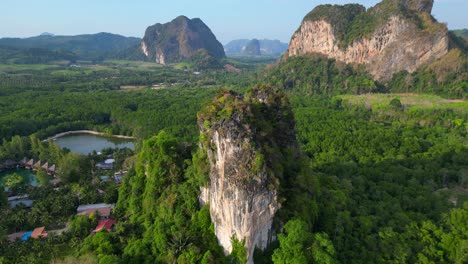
(392, 36)
(250, 145)
(252, 48)
(182, 39)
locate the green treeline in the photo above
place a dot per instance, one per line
(315, 75)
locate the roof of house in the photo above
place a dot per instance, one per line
(26, 235)
(31, 162)
(104, 165)
(18, 197)
(51, 168)
(82, 208)
(107, 224)
(26, 202)
(38, 163)
(45, 166)
(104, 212)
(39, 232)
(15, 236)
(109, 161)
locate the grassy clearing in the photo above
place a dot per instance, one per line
(133, 87)
(22, 67)
(408, 100)
(133, 64)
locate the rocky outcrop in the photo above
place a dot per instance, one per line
(242, 151)
(395, 44)
(182, 39)
(252, 48)
(267, 47)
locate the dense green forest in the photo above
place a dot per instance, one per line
(317, 75)
(115, 98)
(382, 179)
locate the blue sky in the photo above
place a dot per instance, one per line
(228, 19)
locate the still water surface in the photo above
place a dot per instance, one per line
(27, 175)
(86, 143)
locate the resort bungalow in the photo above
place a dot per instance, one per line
(30, 164)
(37, 165)
(39, 233)
(107, 224)
(45, 166)
(23, 162)
(52, 170)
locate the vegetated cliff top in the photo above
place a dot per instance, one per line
(179, 40)
(353, 21)
(263, 123)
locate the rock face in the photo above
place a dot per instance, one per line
(242, 188)
(252, 48)
(403, 36)
(267, 47)
(180, 40)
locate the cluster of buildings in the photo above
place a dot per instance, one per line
(118, 176)
(30, 164)
(103, 211)
(34, 164)
(37, 233)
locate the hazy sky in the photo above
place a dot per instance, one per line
(228, 19)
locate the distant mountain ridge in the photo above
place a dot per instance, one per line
(267, 47)
(461, 33)
(87, 46)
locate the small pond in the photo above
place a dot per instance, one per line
(86, 143)
(27, 175)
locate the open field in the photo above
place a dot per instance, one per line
(408, 100)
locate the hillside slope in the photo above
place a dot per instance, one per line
(182, 39)
(392, 36)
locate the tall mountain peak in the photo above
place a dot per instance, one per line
(180, 40)
(250, 144)
(392, 36)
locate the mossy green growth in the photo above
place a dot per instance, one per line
(262, 122)
(352, 21)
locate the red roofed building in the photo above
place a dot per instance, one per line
(39, 233)
(107, 224)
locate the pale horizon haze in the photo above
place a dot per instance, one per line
(228, 19)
